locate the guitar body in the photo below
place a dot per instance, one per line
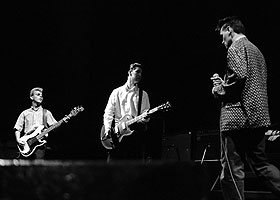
(31, 142)
(120, 130)
(108, 142)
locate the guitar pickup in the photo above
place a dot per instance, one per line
(123, 126)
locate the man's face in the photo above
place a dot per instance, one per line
(37, 96)
(136, 74)
(227, 40)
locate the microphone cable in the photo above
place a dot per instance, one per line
(230, 170)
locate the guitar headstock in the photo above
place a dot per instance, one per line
(166, 106)
(75, 111)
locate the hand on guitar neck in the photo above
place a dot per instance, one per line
(145, 117)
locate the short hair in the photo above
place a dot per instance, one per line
(134, 65)
(36, 89)
(233, 21)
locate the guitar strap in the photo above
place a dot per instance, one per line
(45, 118)
(143, 145)
(45, 124)
(140, 101)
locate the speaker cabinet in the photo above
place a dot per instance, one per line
(177, 147)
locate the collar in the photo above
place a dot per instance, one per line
(36, 109)
(127, 88)
(239, 37)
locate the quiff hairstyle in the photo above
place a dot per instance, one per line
(35, 89)
(233, 22)
(133, 66)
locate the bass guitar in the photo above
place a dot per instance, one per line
(34, 138)
(122, 128)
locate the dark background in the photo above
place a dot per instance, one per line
(80, 50)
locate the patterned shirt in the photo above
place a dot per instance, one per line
(123, 101)
(244, 101)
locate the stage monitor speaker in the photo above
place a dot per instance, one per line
(87, 180)
(177, 147)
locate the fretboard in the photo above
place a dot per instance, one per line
(137, 118)
(46, 131)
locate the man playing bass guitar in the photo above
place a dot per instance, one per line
(32, 118)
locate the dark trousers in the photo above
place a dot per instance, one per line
(243, 146)
(132, 147)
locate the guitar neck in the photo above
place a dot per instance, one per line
(137, 118)
(41, 135)
(74, 112)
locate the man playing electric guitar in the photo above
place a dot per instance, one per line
(32, 118)
(128, 100)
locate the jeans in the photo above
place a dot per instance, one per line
(242, 146)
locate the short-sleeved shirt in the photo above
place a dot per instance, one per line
(30, 118)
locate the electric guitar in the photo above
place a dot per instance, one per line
(33, 139)
(122, 128)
